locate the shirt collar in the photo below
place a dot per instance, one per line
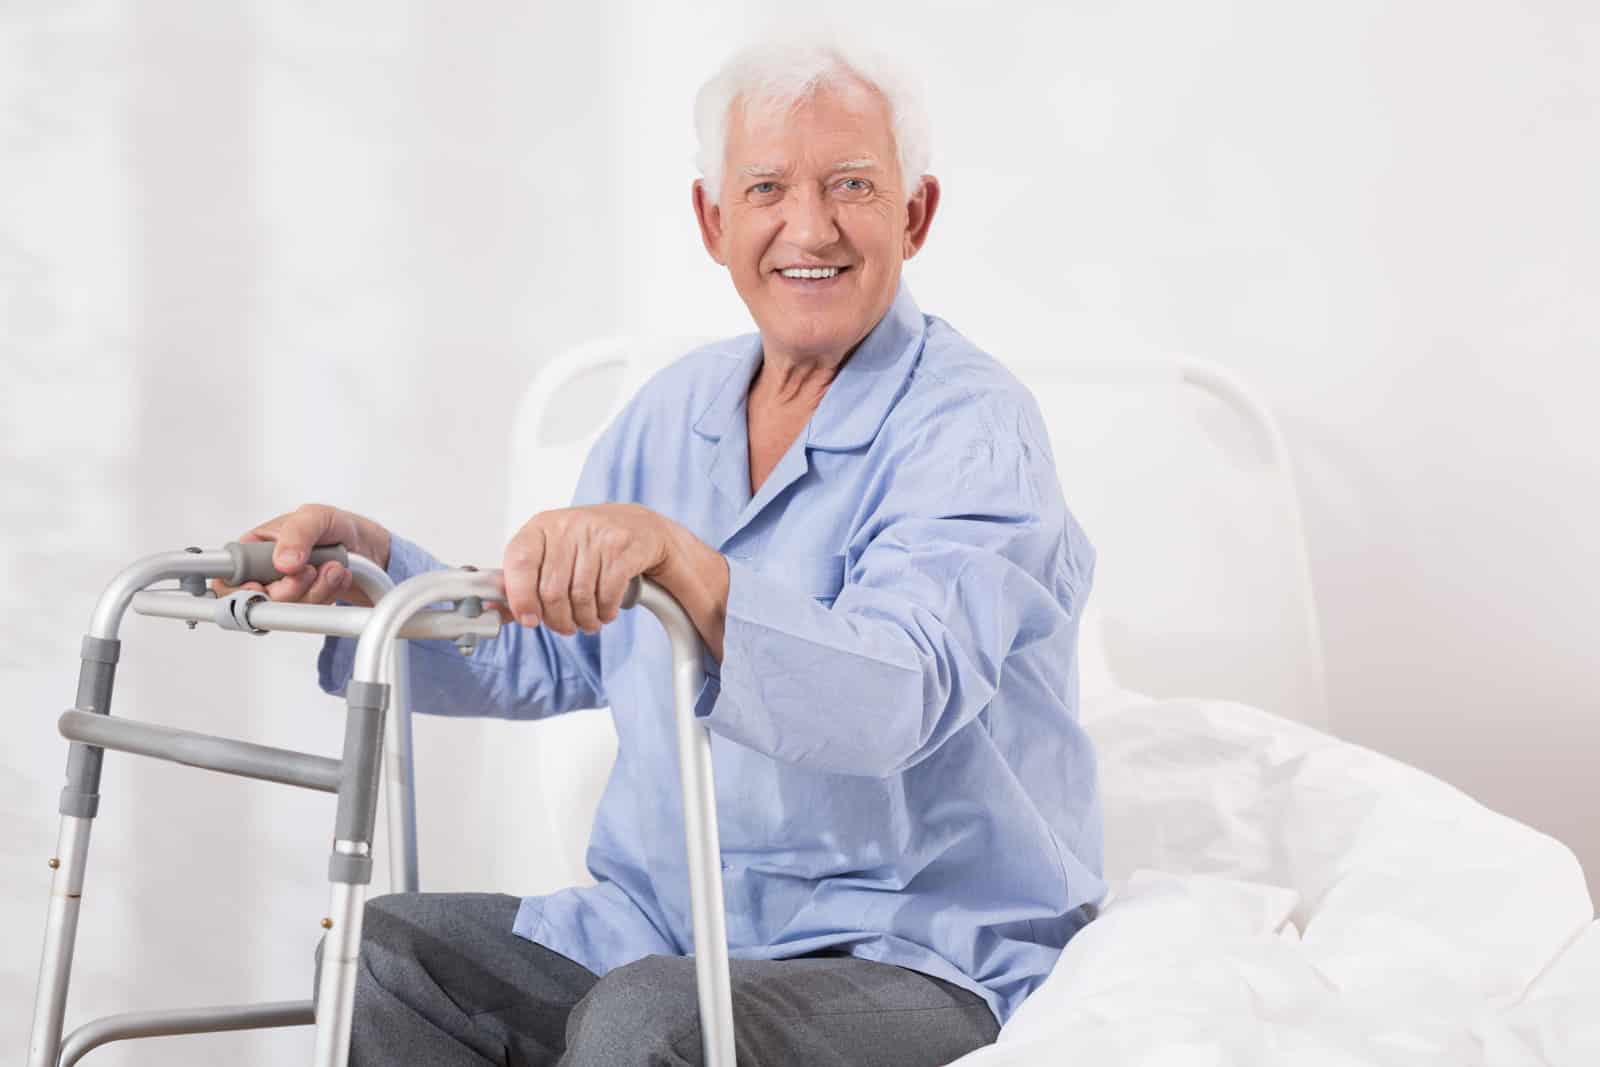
(860, 395)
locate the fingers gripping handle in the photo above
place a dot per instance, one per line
(252, 562)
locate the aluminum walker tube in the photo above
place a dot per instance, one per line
(86, 1039)
(712, 981)
(714, 988)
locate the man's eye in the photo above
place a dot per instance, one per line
(855, 185)
(764, 188)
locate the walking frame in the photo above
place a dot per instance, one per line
(378, 685)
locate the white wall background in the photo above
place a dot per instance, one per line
(254, 255)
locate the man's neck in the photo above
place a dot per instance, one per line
(783, 384)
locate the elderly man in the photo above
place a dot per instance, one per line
(858, 510)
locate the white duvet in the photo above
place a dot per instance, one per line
(1282, 897)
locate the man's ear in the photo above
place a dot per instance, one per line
(919, 213)
(709, 216)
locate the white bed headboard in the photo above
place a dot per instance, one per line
(1180, 477)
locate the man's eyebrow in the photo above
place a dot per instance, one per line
(864, 163)
(756, 170)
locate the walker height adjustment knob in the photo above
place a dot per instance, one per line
(471, 607)
(193, 584)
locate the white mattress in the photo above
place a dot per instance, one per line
(1282, 897)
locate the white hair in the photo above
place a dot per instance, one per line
(777, 75)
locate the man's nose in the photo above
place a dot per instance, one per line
(809, 220)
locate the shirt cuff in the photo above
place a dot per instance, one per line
(337, 661)
(711, 687)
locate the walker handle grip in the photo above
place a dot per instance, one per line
(252, 561)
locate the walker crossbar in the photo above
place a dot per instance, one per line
(91, 1036)
(381, 653)
(202, 750)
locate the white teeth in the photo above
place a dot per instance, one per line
(809, 272)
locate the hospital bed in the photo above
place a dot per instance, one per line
(1278, 896)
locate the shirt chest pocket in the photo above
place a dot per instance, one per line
(820, 576)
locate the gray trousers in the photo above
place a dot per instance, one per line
(443, 982)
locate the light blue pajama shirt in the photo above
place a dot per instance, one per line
(899, 766)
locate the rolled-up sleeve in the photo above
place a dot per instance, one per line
(966, 564)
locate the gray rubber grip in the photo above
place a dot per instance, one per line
(252, 562)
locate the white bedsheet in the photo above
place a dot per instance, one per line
(1282, 897)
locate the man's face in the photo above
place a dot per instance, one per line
(819, 186)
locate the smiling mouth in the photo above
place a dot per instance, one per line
(811, 277)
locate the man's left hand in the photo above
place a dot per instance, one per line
(569, 568)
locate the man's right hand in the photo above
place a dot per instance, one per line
(296, 534)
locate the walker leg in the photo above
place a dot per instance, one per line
(336, 991)
(398, 783)
(350, 870)
(80, 802)
(60, 935)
